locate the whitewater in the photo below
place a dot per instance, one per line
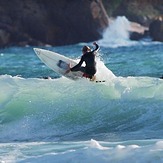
(45, 117)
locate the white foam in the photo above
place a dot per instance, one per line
(95, 144)
(103, 72)
(117, 34)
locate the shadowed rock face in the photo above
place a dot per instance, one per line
(54, 22)
(156, 29)
(63, 22)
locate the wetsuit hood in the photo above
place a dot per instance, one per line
(86, 49)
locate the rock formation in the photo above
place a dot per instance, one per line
(53, 22)
(39, 22)
(142, 12)
(156, 29)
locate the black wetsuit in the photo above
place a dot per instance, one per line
(89, 59)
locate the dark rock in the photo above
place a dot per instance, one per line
(51, 22)
(139, 36)
(136, 36)
(137, 31)
(156, 29)
(4, 37)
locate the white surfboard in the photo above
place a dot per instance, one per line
(58, 63)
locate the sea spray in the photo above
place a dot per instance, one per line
(117, 34)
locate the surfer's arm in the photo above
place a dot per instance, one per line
(96, 47)
(67, 71)
(77, 67)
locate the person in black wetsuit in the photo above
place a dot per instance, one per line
(89, 58)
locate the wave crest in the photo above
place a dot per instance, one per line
(64, 109)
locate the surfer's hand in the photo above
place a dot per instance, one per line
(69, 69)
(95, 43)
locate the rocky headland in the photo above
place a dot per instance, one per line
(53, 22)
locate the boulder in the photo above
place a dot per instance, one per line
(137, 31)
(156, 29)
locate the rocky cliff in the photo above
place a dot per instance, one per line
(39, 22)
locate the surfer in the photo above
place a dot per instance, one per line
(89, 58)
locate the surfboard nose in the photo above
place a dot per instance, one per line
(37, 51)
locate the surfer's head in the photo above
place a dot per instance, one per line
(86, 49)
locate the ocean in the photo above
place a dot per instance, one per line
(62, 121)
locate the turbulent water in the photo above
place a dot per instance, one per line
(60, 120)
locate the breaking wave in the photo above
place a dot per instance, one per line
(61, 109)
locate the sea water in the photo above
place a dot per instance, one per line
(60, 120)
